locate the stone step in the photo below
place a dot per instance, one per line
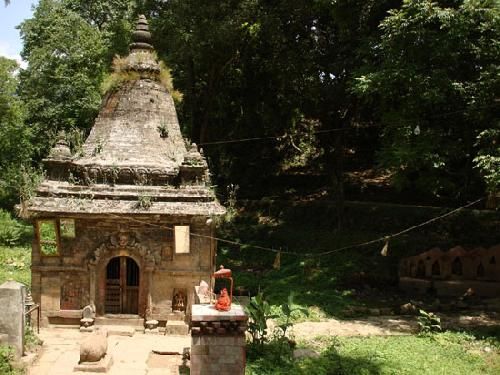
(176, 315)
(120, 320)
(176, 327)
(114, 330)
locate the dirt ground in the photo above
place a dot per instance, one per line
(387, 325)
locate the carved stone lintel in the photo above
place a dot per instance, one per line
(123, 240)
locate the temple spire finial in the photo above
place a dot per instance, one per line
(141, 37)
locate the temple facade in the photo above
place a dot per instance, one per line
(125, 225)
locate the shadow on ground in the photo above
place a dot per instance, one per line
(329, 362)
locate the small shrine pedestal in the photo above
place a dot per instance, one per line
(218, 340)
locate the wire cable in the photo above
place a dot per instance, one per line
(320, 254)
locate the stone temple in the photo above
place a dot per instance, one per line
(125, 225)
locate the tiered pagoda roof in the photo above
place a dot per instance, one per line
(135, 153)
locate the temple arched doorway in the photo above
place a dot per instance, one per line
(122, 286)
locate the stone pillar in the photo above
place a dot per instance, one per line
(92, 278)
(218, 341)
(151, 325)
(12, 296)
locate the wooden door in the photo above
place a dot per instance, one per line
(122, 286)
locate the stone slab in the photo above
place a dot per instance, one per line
(176, 327)
(208, 313)
(102, 366)
(120, 330)
(12, 319)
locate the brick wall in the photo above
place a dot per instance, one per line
(218, 341)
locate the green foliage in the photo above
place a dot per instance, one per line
(433, 79)
(6, 359)
(167, 82)
(488, 158)
(238, 68)
(15, 264)
(288, 309)
(428, 322)
(15, 136)
(15, 249)
(11, 231)
(231, 202)
(114, 80)
(277, 346)
(31, 340)
(65, 58)
(259, 311)
(114, 19)
(144, 202)
(47, 230)
(451, 353)
(29, 179)
(122, 74)
(48, 237)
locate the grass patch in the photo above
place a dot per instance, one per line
(15, 249)
(324, 284)
(316, 282)
(443, 353)
(122, 74)
(15, 264)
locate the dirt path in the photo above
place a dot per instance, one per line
(386, 325)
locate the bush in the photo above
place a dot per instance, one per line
(10, 230)
(31, 340)
(428, 322)
(6, 359)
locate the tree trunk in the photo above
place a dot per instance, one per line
(338, 176)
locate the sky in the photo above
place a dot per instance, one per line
(11, 16)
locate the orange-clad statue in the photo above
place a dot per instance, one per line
(223, 302)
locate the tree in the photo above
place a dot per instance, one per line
(223, 61)
(434, 77)
(65, 58)
(15, 137)
(114, 19)
(251, 69)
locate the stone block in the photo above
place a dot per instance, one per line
(200, 350)
(176, 327)
(12, 295)
(233, 351)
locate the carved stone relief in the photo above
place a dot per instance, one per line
(179, 300)
(71, 295)
(124, 240)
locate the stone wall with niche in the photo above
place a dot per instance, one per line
(166, 284)
(452, 272)
(63, 282)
